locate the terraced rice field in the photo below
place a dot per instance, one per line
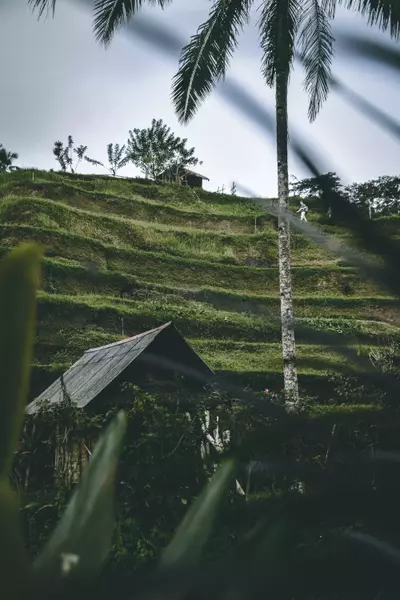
(123, 256)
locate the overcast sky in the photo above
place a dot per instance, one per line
(57, 80)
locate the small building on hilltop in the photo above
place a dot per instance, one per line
(154, 359)
(185, 176)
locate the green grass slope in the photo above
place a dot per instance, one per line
(123, 256)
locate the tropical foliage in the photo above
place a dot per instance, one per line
(378, 197)
(6, 159)
(64, 155)
(117, 159)
(316, 186)
(109, 15)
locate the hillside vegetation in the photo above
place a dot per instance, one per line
(123, 256)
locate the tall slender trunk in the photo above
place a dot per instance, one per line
(285, 278)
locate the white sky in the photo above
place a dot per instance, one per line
(57, 80)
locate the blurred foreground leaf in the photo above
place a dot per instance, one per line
(19, 280)
(14, 562)
(195, 529)
(82, 539)
(365, 48)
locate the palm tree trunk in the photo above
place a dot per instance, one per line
(285, 278)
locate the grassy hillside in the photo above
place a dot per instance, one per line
(123, 256)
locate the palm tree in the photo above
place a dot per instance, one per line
(65, 155)
(284, 27)
(116, 158)
(6, 159)
(109, 15)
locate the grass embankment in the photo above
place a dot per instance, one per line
(123, 256)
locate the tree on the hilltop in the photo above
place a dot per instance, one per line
(322, 186)
(314, 187)
(283, 25)
(64, 155)
(157, 152)
(6, 159)
(380, 196)
(233, 189)
(116, 158)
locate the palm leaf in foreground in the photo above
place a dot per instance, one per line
(205, 59)
(192, 534)
(19, 280)
(278, 25)
(383, 13)
(109, 15)
(316, 49)
(82, 538)
(42, 6)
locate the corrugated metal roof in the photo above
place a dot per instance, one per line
(96, 369)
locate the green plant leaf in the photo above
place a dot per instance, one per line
(194, 531)
(19, 280)
(82, 539)
(14, 561)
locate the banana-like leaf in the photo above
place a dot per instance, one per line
(194, 531)
(19, 280)
(82, 539)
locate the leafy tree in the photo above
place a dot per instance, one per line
(319, 187)
(283, 25)
(233, 189)
(116, 158)
(157, 152)
(380, 196)
(6, 159)
(315, 186)
(109, 15)
(65, 155)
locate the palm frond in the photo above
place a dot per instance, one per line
(124, 161)
(316, 50)
(383, 13)
(329, 8)
(278, 26)
(41, 6)
(205, 59)
(93, 161)
(110, 153)
(121, 152)
(111, 14)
